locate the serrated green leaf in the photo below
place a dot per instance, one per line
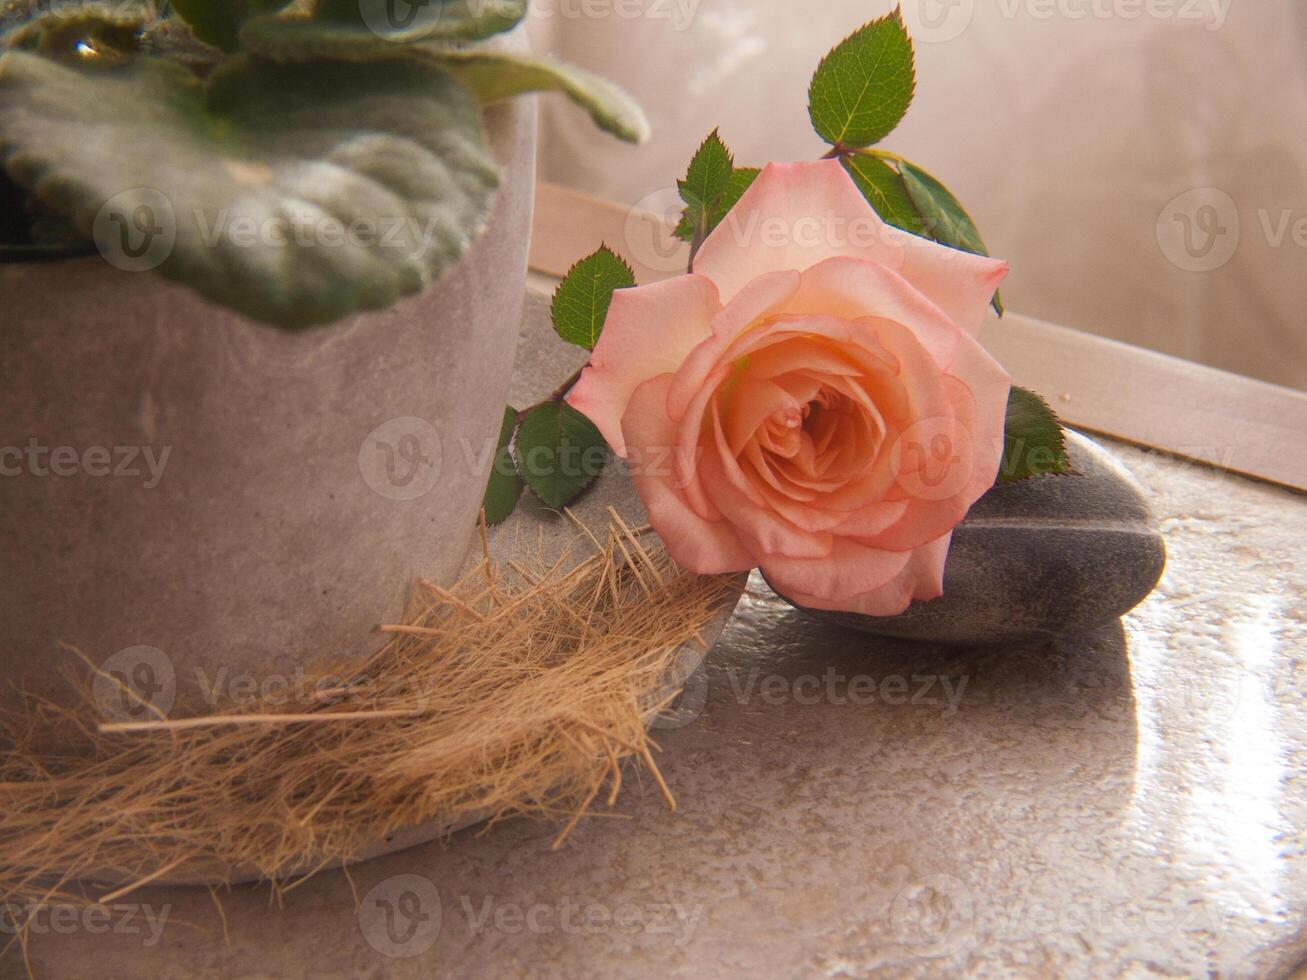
(218, 22)
(559, 452)
(741, 180)
(505, 486)
(293, 194)
(698, 221)
(943, 217)
(582, 299)
(710, 169)
(863, 87)
(884, 190)
(353, 24)
(1033, 441)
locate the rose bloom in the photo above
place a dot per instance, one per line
(812, 400)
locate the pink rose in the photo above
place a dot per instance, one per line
(812, 400)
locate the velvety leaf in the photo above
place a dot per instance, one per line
(559, 452)
(883, 188)
(352, 25)
(294, 194)
(582, 299)
(90, 36)
(943, 217)
(492, 75)
(218, 22)
(1033, 440)
(863, 88)
(505, 486)
(498, 75)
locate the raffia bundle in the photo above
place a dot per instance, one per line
(517, 690)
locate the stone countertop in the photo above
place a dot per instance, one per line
(1132, 803)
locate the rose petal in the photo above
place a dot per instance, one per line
(850, 570)
(706, 547)
(959, 283)
(850, 289)
(792, 217)
(921, 580)
(649, 331)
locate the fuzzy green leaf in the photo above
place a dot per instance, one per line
(883, 188)
(354, 24)
(293, 194)
(492, 75)
(582, 299)
(1033, 441)
(498, 75)
(218, 22)
(863, 88)
(92, 35)
(559, 452)
(505, 485)
(943, 217)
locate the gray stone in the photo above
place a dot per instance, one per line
(1049, 556)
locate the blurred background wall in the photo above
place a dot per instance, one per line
(1141, 163)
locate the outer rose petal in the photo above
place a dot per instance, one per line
(921, 579)
(794, 216)
(849, 571)
(705, 547)
(797, 214)
(649, 331)
(959, 283)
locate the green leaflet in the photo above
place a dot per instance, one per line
(582, 299)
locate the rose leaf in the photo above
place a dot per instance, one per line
(863, 87)
(885, 191)
(1033, 441)
(559, 452)
(582, 299)
(943, 217)
(505, 485)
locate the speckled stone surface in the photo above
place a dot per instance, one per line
(1130, 803)
(1050, 556)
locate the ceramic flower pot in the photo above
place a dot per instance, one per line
(207, 498)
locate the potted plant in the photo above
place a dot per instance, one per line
(240, 462)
